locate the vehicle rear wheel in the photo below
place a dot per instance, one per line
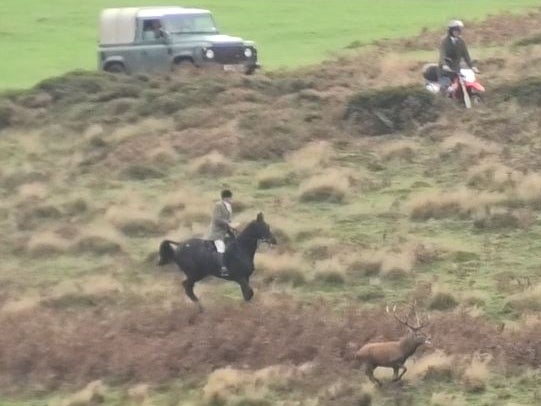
(115, 67)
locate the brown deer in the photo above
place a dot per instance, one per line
(393, 354)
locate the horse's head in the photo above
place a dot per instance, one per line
(260, 230)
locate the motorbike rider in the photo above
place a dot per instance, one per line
(452, 50)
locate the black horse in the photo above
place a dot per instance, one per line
(197, 258)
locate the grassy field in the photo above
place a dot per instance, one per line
(39, 39)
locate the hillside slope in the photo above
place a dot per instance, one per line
(377, 192)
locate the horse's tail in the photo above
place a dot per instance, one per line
(167, 253)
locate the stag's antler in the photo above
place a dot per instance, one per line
(412, 312)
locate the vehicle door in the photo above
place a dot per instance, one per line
(153, 51)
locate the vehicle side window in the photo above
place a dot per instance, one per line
(152, 30)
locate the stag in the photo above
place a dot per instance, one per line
(393, 354)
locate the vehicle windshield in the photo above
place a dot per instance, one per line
(189, 24)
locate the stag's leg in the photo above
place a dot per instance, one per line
(370, 373)
(404, 369)
(247, 291)
(188, 288)
(395, 373)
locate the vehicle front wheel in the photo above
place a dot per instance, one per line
(183, 65)
(115, 67)
(250, 69)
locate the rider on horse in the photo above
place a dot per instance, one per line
(221, 226)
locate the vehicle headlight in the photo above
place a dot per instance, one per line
(248, 52)
(209, 53)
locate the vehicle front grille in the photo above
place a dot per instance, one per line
(229, 55)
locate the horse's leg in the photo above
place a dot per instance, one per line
(188, 288)
(247, 291)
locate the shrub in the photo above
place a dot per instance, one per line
(397, 265)
(330, 186)
(6, 113)
(97, 245)
(272, 177)
(477, 374)
(371, 292)
(436, 366)
(526, 91)
(447, 399)
(281, 268)
(529, 300)
(312, 156)
(213, 164)
(47, 244)
(442, 301)
(391, 110)
(402, 150)
(141, 172)
(92, 394)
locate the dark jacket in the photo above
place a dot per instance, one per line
(455, 52)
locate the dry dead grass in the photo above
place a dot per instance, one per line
(99, 239)
(148, 127)
(287, 231)
(133, 219)
(477, 373)
(33, 190)
(47, 243)
(312, 157)
(212, 164)
(92, 394)
(394, 261)
(493, 174)
(397, 265)
(447, 399)
(367, 263)
(284, 268)
(434, 366)
(529, 300)
(22, 304)
(500, 217)
(469, 145)
(442, 298)
(230, 386)
(274, 176)
(139, 394)
(328, 186)
(330, 271)
(462, 202)
(528, 189)
(402, 150)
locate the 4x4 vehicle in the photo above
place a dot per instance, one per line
(158, 39)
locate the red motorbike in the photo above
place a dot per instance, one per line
(464, 86)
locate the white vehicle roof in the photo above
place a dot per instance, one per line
(117, 25)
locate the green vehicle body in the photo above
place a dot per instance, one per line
(160, 39)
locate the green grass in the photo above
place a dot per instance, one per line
(40, 39)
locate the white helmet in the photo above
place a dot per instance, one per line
(455, 24)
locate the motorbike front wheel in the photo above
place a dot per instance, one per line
(476, 99)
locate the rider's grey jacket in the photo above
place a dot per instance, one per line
(219, 225)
